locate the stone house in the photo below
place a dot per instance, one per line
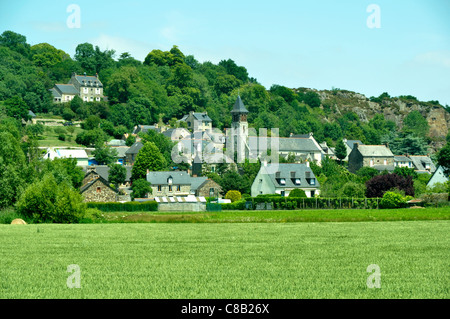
(283, 178)
(96, 189)
(88, 88)
(197, 121)
(180, 184)
(378, 157)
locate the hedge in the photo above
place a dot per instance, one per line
(305, 203)
(125, 207)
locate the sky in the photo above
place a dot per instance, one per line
(401, 47)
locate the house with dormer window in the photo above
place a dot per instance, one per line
(89, 88)
(283, 178)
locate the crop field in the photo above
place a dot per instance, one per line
(226, 260)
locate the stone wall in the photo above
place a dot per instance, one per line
(204, 189)
(99, 192)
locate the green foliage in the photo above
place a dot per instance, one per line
(141, 188)
(405, 172)
(443, 159)
(340, 150)
(392, 200)
(297, 192)
(148, 206)
(415, 123)
(148, 158)
(117, 174)
(104, 155)
(46, 201)
(233, 195)
(353, 189)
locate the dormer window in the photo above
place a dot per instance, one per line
(297, 181)
(169, 180)
(282, 181)
(312, 181)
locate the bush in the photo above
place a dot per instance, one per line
(125, 207)
(7, 215)
(46, 201)
(233, 195)
(61, 137)
(237, 205)
(392, 200)
(297, 193)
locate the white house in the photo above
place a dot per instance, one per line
(80, 155)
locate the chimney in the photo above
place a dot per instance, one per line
(355, 145)
(292, 174)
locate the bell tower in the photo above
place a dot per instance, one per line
(239, 131)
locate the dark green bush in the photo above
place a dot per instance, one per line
(151, 206)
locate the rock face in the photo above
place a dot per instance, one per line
(18, 221)
(393, 109)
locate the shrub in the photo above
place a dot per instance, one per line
(7, 215)
(47, 201)
(125, 207)
(392, 200)
(233, 195)
(237, 205)
(297, 193)
(61, 137)
(378, 185)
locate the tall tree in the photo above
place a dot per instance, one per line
(340, 151)
(149, 158)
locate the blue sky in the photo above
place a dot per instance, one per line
(317, 44)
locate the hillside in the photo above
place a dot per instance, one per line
(169, 84)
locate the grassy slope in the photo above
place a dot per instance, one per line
(240, 260)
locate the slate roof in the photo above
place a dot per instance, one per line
(87, 79)
(402, 158)
(420, 161)
(438, 177)
(103, 171)
(285, 144)
(375, 151)
(196, 182)
(66, 89)
(202, 117)
(290, 172)
(351, 143)
(135, 148)
(239, 106)
(161, 178)
(55, 92)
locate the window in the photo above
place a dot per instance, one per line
(178, 188)
(99, 189)
(282, 181)
(282, 193)
(92, 98)
(85, 90)
(97, 99)
(385, 162)
(312, 181)
(313, 193)
(86, 98)
(297, 181)
(159, 188)
(170, 188)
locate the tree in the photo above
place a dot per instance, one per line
(104, 155)
(312, 99)
(233, 195)
(149, 158)
(85, 54)
(443, 158)
(17, 108)
(141, 188)
(15, 42)
(340, 150)
(405, 172)
(414, 122)
(47, 201)
(117, 174)
(378, 185)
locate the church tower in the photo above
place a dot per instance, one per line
(239, 131)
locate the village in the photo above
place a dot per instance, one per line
(204, 148)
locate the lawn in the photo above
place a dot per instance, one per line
(50, 138)
(226, 260)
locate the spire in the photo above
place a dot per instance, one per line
(239, 106)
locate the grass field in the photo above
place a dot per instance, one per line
(283, 216)
(50, 138)
(226, 260)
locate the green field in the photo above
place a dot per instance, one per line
(283, 216)
(226, 260)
